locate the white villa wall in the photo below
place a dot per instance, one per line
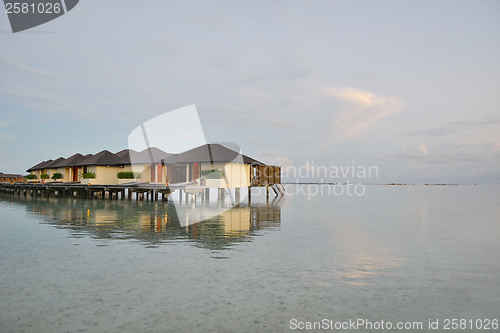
(108, 175)
(143, 169)
(237, 174)
(64, 173)
(104, 175)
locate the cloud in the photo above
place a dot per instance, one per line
(445, 154)
(465, 153)
(461, 127)
(5, 138)
(274, 159)
(174, 46)
(49, 102)
(41, 91)
(256, 139)
(270, 70)
(410, 152)
(278, 123)
(494, 147)
(283, 161)
(14, 69)
(361, 110)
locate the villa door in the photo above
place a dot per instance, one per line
(178, 173)
(196, 172)
(153, 173)
(159, 172)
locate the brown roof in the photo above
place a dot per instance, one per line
(74, 160)
(54, 163)
(252, 161)
(36, 167)
(149, 155)
(213, 152)
(124, 155)
(10, 175)
(41, 166)
(124, 152)
(206, 153)
(102, 158)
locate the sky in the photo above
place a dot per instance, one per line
(411, 87)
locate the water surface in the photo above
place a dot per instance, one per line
(397, 253)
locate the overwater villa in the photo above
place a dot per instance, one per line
(210, 165)
(10, 178)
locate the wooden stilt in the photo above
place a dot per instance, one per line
(275, 191)
(237, 195)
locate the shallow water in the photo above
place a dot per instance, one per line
(397, 253)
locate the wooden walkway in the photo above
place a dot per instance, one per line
(143, 191)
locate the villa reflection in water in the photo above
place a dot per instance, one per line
(151, 223)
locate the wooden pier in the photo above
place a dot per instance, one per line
(124, 192)
(136, 191)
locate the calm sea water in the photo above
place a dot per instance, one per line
(397, 254)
